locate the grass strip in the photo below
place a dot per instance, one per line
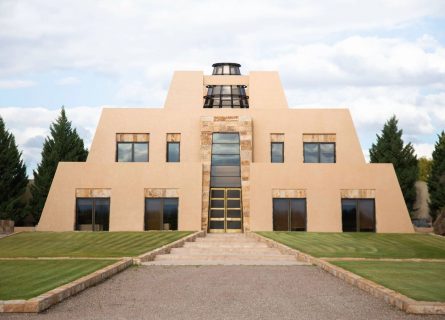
(85, 244)
(422, 281)
(363, 245)
(24, 279)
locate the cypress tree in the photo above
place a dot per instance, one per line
(436, 180)
(63, 144)
(390, 148)
(13, 179)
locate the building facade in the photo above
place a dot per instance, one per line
(225, 154)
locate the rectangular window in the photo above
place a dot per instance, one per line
(132, 152)
(225, 166)
(289, 214)
(358, 215)
(173, 151)
(92, 214)
(319, 152)
(277, 152)
(161, 213)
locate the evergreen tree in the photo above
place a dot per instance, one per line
(63, 144)
(13, 179)
(390, 148)
(436, 180)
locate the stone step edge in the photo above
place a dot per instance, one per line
(222, 262)
(150, 256)
(390, 296)
(193, 248)
(224, 257)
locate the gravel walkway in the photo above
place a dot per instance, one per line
(223, 292)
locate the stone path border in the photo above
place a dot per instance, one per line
(54, 296)
(390, 296)
(10, 234)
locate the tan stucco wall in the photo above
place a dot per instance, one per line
(323, 184)
(182, 113)
(127, 182)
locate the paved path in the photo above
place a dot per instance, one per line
(223, 292)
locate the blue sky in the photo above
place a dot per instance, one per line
(377, 58)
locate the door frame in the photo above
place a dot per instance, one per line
(225, 218)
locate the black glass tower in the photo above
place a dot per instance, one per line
(226, 96)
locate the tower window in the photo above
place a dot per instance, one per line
(226, 68)
(225, 96)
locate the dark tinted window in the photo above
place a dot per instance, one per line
(161, 214)
(366, 215)
(92, 214)
(173, 151)
(170, 214)
(349, 215)
(234, 194)
(298, 214)
(277, 152)
(153, 214)
(226, 96)
(84, 214)
(280, 214)
(101, 214)
(358, 215)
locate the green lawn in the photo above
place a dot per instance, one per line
(363, 245)
(424, 281)
(24, 279)
(85, 244)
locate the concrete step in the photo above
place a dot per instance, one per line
(224, 245)
(225, 240)
(232, 256)
(219, 250)
(225, 249)
(224, 263)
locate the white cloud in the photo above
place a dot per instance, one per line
(424, 149)
(16, 84)
(138, 92)
(112, 37)
(329, 54)
(67, 81)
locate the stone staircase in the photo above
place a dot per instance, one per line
(225, 249)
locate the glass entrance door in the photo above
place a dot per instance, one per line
(225, 214)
